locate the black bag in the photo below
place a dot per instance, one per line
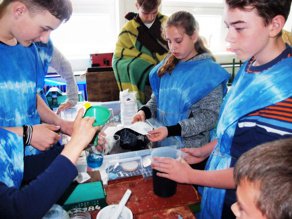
(132, 140)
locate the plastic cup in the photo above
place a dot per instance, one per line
(107, 212)
(164, 187)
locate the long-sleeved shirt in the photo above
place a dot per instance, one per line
(46, 177)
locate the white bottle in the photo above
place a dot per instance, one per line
(128, 107)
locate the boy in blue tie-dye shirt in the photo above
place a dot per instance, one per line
(48, 174)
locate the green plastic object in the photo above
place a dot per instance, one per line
(100, 113)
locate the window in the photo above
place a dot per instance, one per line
(205, 12)
(95, 25)
(91, 29)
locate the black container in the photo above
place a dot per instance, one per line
(163, 187)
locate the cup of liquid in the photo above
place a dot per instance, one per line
(164, 187)
(94, 157)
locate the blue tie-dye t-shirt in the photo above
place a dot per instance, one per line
(19, 67)
(11, 158)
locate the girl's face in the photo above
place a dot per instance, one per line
(34, 28)
(180, 44)
(247, 34)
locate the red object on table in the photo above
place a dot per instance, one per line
(145, 204)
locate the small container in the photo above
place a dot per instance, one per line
(107, 212)
(94, 158)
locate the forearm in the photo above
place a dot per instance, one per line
(64, 69)
(207, 149)
(16, 130)
(44, 160)
(152, 105)
(34, 200)
(46, 114)
(215, 178)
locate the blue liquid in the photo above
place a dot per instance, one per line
(94, 160)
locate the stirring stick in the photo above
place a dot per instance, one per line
(122, 204)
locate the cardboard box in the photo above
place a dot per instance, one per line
(101, 85)
(89, 196)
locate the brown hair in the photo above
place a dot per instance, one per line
(186, 21)
(61, 9)
(149, 5)
(267, 9)
(269, 167)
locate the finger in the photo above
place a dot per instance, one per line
(80, 114)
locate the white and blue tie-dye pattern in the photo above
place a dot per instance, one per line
(45, 51)
(188, 83)
(19, 67)
(250, 92)
(11, 158)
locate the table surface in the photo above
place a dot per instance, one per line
(145, 204)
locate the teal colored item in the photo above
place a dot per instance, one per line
(100, 113)
(87, 195)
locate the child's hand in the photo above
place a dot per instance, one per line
(193, 155)
(83, 131)
(177, 170)
(158, 134)
(139, 117)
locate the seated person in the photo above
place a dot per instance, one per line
(263, 177)
(139, 48)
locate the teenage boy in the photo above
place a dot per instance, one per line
(48, 174)
(139, 48)
(23, 22)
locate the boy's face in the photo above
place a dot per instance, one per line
(247, 34)
(245, 207)
(147, 16)
(34, 28)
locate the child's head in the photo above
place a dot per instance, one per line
(33, 20)
(182, 34)
(263, 176)
(267, 9)
(148, 10)
(254, 25)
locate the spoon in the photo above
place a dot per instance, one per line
(122, 204)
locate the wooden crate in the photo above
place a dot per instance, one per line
(101, 85)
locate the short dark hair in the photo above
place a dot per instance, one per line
(149, 5)
(61, 9)
(267, 9)
(269, 167)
